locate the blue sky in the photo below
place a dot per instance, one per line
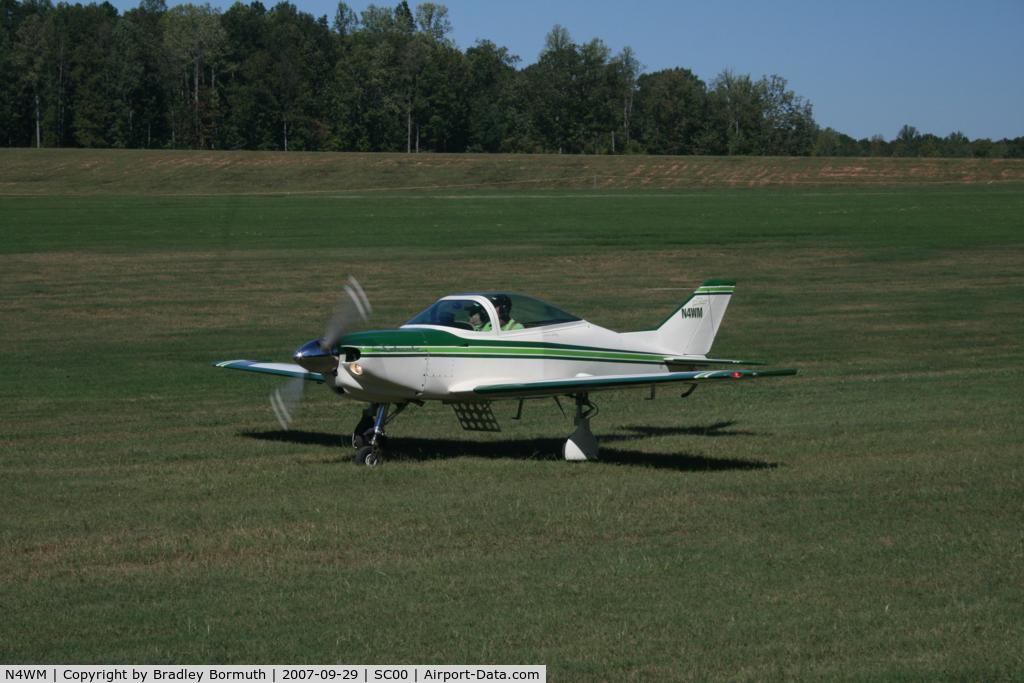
(868, 67)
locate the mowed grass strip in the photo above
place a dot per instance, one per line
(861, 520)
(368, 229)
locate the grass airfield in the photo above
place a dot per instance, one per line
(862, 520)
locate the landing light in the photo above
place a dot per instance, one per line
(355, 368)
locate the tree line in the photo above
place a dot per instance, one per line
(385, 79)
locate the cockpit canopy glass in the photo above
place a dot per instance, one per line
(515, 311)
(462, 314)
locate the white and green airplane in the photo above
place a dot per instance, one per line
(468, 350)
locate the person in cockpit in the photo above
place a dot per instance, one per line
(476, 316)
(503, 305)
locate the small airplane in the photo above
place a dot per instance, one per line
(468, 350)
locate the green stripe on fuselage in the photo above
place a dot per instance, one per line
(416, 341)
(534, 351)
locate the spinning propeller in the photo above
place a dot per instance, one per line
(353, 308)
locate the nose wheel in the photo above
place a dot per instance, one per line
(369, 456)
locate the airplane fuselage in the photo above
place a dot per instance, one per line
(424, 362)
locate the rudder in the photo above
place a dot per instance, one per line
(692, 327)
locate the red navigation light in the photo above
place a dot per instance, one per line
(737, 374)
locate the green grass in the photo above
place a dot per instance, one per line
(860, 521)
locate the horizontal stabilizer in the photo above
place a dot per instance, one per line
(570, 385)
(701, 360)
(282, 369)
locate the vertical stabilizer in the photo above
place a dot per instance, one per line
(691, 329)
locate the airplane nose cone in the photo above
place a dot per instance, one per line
(313, 358)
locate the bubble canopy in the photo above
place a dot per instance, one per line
(460, 310)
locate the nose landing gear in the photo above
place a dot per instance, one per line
(368, 437)
(364, 428)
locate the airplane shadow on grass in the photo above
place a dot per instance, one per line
(715, 430)
(424, 450)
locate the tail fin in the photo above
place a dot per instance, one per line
(691, 329)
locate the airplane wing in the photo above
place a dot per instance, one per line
(571, 385)
(283, 369)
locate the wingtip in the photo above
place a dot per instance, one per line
(230, 363)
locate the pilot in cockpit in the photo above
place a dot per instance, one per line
(475, 316)
(503, 304)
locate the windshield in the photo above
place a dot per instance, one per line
(462, 314)
(515, 312)
(516, 309)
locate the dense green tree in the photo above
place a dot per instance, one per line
(299, 77)
(907, 143)
(11, 122)
(598, 97)
(623, 75)
(194, 43)
(985, 148)
(248, 59)
(735, 116)
(387, 79)
(39, 56)
(552, 86)
(376, 19)
(832, 143)
(956, 144)
(441, 98)
(369, 106)
(8, 92)
(788, 127)
(148, 126)
(930, 146)
(432, 21)
(671, 111)
(756, 117)
(102, 78)
(345, 20)
(875, 146)
(1014, 148)
(404, 21)
(496, 117)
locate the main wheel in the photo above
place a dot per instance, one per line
(375, 458)
(369, 456)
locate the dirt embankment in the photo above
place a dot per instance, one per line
(86, 172)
